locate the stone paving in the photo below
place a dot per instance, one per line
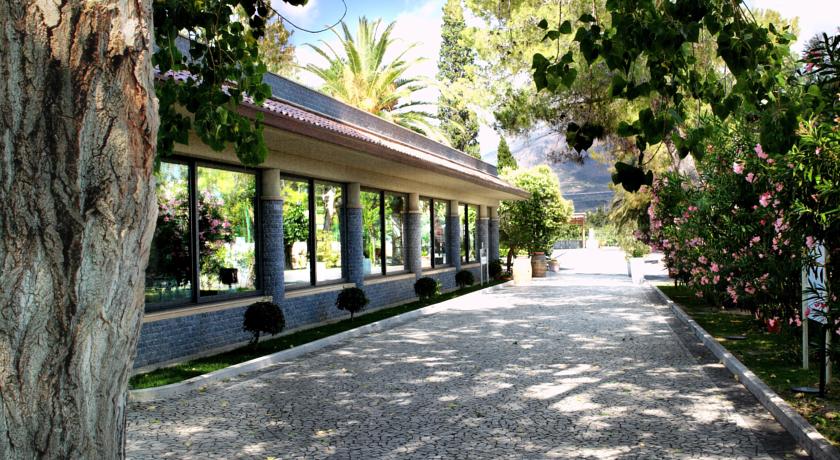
(575, 366)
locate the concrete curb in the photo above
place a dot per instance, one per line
(805, 434)
(256, 364)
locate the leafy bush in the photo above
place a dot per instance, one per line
(495, 268)
(263, 317)
(464, 278)
(426, 288)
(351, 299)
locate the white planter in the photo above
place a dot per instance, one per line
(522, 271)
(637, 269)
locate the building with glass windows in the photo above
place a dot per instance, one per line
(344, 198)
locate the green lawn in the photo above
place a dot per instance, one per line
(773, 357)
(189, 369)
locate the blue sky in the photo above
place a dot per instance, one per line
(419, 22)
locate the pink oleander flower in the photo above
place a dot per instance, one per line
(749, 290)
(760, 152)
(716, 279)
(703, 260)
(750, 177)
(755, 240)
(715, 268)
(738, 168)
(699, 294)
(764, 199)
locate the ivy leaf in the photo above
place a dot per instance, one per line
(543, 24)
(631, 177)
(551, 35)
(565, 27)
(586, 17)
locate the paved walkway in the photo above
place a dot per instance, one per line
(576, 366)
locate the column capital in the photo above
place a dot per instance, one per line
(414, 203)
(494, 212)
(354, 195)
(272, 185)
(454, 208)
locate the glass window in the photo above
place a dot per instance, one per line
(226, 234)
(441, 213)
(426, 232)
(371, 232)
(328, 216)
(296, 233)
(465, 233)
(472, 225)
(395, 209)
(169, 273)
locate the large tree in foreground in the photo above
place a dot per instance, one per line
(78, 131)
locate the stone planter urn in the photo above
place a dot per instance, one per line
(522, 271)
(554, 265)
(538, 265)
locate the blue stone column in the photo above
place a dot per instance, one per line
(272, 250)
(493, 230)
(413, 255)
(483, 231)
(354, 263)
(453, 239)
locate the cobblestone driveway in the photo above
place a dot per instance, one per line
(577, 366)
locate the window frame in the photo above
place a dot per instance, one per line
(312, 239)
(432, 253)
(467, 241)
(195, 298)
(384, 254)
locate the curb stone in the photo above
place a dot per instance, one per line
(256, 364)
(805, 434)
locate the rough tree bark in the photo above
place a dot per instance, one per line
(78, 122)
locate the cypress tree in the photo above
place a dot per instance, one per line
(458, 123)
(505, 158)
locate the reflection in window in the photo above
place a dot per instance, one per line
(472, 226)
(226, 236)
(440, 215)
(169, 273)
(395, 208)
(328, 231)
(296, 233)
(371, 233)
(425, 233)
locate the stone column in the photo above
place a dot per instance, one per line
(413, 261)
(483, 231)
(453, 239)
(354, 264)
(493, 230)
(272, 250)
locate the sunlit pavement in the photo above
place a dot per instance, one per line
(573, 366)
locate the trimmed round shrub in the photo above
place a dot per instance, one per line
(426, 288)
(495, 268)
(263, 317)
(464, 278)
(351, 299)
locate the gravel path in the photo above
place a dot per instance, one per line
(574, 366)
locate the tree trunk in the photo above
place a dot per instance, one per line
(78, 123)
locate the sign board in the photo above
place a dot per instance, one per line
(814, 287)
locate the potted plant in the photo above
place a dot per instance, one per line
(426, 288)
(464, 278)
(351, 299)
(229, 276)
(554, 265)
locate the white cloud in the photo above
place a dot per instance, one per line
(302, 16)
(815, 16)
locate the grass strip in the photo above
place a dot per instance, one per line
(196, 367)
(775, 358)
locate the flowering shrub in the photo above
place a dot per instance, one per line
(729, 237)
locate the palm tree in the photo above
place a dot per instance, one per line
(360, 77)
